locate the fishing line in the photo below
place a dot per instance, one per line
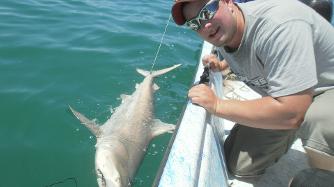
(162, 38)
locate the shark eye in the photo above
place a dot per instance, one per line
(100, 178)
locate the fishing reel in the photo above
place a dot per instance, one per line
(205, 77)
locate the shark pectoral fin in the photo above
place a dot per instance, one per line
(160, 127)
(91, 125)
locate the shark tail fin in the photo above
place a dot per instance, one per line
(158, 72)
(91, 125)
(160, 127)
(143, 72)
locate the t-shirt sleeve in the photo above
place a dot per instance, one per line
(288, 57)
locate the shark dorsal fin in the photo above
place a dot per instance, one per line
(91, 125)
(159, 127)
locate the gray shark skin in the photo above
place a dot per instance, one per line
(123, 138)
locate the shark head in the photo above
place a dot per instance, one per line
(110, 169)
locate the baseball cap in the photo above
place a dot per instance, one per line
(177, 11)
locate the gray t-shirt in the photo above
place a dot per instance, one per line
(286, 48)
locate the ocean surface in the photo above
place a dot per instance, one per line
(83, 53)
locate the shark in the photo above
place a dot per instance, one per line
(122, 140)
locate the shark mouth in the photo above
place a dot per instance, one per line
(100, 178)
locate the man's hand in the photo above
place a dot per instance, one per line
(214, 63)
(204, 96)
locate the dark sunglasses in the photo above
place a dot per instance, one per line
(206, 13)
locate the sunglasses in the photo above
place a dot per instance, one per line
(206, 13)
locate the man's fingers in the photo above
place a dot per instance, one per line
(193, 93)
(194, 100)
(212, 61)
(197, 92)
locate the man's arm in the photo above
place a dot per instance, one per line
(285, 112)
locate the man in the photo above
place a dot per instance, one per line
(312, 177)
(323, 7)
(285, 51)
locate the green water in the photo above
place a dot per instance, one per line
(55, 53)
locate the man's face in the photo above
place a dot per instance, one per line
(220, 29)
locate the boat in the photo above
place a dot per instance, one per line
(195, 156)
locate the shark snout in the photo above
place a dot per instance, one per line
(108, 178)
(109, 169)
